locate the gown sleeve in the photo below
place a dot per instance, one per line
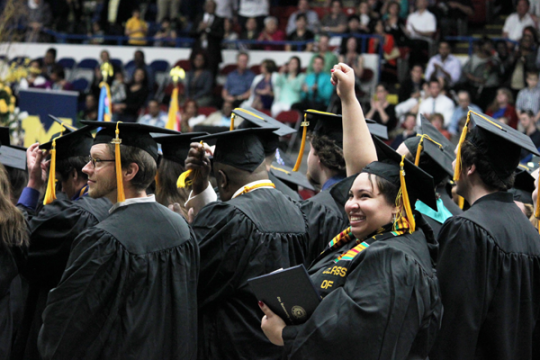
(465, 260)
(379, 299)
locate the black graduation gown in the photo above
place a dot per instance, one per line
(128, 291)
(52, 231)
(284, 188)
(489, 272)
(326, 216)
(447, 201)
(250, 235)
(11, 296)
(382, 304)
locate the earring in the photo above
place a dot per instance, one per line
(394, 219)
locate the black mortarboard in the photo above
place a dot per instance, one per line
(419, 183)
(437, 152)
(290, 177)
(176, 147)
(523, 184)
(4, 136)
(67, 127)
(74, 143)
(241, 149)
(13, 157)
(498, 142)
(131, 134)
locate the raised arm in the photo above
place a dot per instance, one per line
(358, 147)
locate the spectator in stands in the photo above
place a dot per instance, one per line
(322, 49)
(395, 25)
(354, 27)
(165, 32)
(455, 19)
(168, 9)
(317, 88)
(529, 97)
(480, 75)
(221, 117)
(258, 9)
(381, 110)
(412, 87)
(375, 7)
(528, 121)
(390, 51)
(505, 58)
(199, 81)
(516, 22)
(251, 32)
(226, 9)
(261, 94)
(444, 66)
(34, 77)
(118, 90)
(437, 120)
(351, 56)
(436, 103)
(114, 14)
(336, 21)
(301, 33)
(189, 116)
(105, 57)
(96, 34)
(502, 106)
(49, 61)
(209, 34)
(90, 108)
(237, 85)
(402, 7)
(155, 116)
(271, 33)
(409, 125)
(229, 34)
(421, 26)
(58, 78)
(136, 29)
(139, 62)
(524, 62)
(311, 17)
(464, 102)
(38, 16)
(136, 95)
(68, 14)
(288, 86)
(364, 14)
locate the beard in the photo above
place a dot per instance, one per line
(102, 188)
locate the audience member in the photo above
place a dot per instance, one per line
(524, 62)
(301, 33)
(226, 8)
(364, 16)
(136, 95)
(375, 7)
(444, 66)
(258, 9)
(311, 17)
(49, 61)
(528, 122)
(529, 97)
(199, 81)
(229, 34)
(408, 130)
(390, 51)
(288, 86)
(261, 91)
(155, 116)
(136, 29)
(251, 32)
(168, 9)
(118, 91)
(336, 21)
(403, 8)
(412, 87)
(38, 16)
(437, 120)
(189, 116)
(97, 34)
(209, 34)
(114, 14)
(58, 78)
(237, 85)
(502, 106)
(90, 108)
(436, 103)
(352, 57)
(317, 88)
(271, 33)
(464, 103)
(455, 19)
(381, 110)
(354, 27)
(166, 34)
(68, 14)
(421, 26)
(516, 22)
(34, 77)
(139, 62)
(221, 117)
(322, 49)
(395, 25)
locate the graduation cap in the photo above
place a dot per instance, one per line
(13, 157)
(254, 118)
(290, 177)
(414, 183)
(129, 134)
(67, 128)
(176, 147)
(433, 153)
(523, 184)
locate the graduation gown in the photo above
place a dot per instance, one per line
(128, 291)
(489, 272)
(284, 188)
(384, 303)
(326, 216)
(52, 231)
(248, 236)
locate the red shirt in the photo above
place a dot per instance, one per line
(278, 35)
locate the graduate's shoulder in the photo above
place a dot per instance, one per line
(97, 207)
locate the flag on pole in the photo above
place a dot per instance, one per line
(173, 123)
(105, 104)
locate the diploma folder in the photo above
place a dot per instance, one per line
(289, 293)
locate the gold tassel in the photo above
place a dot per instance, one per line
(232, 122)
(120, 195)
(305, 125)
(457, 170)
(50, 194)
(183, 181)
(419, 151)
(405, 196)
(461, 201)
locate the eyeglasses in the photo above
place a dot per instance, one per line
(96, 161)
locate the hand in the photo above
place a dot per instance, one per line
(315, 87)
(305, 88)
(198, 161)
(177, 209)
(284, 69)
(37, 169)
(272, 325)
(343, 79)
(437, 65)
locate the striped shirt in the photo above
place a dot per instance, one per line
(528, 99)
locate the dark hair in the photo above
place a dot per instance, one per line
(301, 16)
(18, 179)
(386, 188)
(299, 70)
(147, 165)
(333, 1)
(166, 18)
(66, 166)
(529, 113)
(194, 55)
(419, 65)
(166, 191)
(533, 73)
(240, 53)
(353, 17)
(319, 57)
(270, 65)
(329, 153)
(145, 80)
(383, 85)
(51, 51)
(12, 224)
(434, 80)
(470, 155)
(59, 71)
